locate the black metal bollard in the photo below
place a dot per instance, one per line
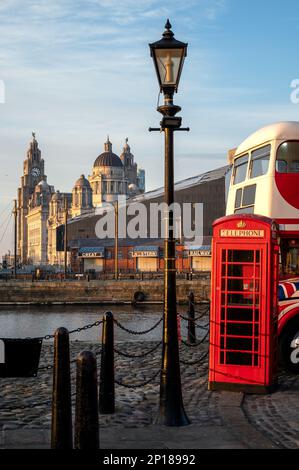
(191, 322)
(107, 385)
(86, 417)
(61, 430)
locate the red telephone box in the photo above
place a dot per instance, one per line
(244, 305)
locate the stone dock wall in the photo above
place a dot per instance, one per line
(76, 292)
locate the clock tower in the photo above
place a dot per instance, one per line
(33, 173)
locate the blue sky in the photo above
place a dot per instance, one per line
(77, 70)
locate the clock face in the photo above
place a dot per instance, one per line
(35, 172)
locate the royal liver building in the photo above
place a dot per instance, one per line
(41, 209)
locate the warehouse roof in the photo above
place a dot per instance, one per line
(184, 184)
(156, 193)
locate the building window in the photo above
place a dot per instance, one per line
(245, 200)
(240, 169)
(260, 159)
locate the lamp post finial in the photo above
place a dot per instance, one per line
(167, 25)
(168, 34)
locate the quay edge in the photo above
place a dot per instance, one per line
(97, 292)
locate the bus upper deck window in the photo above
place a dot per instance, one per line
(281, 166)
(240, 169)
(287, 160)
(260, 159)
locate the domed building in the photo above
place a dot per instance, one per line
(108, 177)
(81, 197)
(41, 210)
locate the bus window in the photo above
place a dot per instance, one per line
(290, 257)
(238, 202)
(245, 200)
(240, 169)
(260, 159)
(281, 166)
(287, 160)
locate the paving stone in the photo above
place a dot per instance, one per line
(274, 417)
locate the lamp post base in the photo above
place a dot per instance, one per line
(176, 421)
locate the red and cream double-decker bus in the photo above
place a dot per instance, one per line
(265, 182)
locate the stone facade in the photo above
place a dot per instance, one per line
(41, 210)
(135, 185)
(81, 292)
(108, 178)
(37, 223)
(113, 175)
(55, 219)
(33, 173)
(81, 197)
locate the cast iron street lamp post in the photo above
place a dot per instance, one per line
(168, 55)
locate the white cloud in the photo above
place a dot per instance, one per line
(76, 70)
(215, 8)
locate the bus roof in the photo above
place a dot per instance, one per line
(287, 130)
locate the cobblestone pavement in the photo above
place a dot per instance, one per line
(25, 402)
(275, 416)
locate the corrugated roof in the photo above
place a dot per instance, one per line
(184, 184)
(179, 186)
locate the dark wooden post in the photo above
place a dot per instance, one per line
(107, 385)
(86, 419)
